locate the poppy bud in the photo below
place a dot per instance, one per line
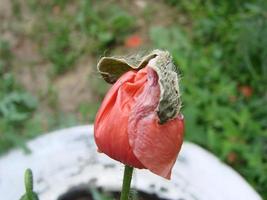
(139, 122)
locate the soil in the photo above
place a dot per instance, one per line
(85, 194)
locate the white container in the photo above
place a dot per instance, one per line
(68, 158)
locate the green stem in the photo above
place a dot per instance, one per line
(127, 177)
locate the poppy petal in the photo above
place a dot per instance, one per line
(155, 145)
(111, 125)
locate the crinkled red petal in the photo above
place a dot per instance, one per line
(111, 124)
(156, 146)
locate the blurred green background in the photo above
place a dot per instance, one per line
(48, 78)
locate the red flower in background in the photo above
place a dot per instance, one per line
(128, 129)
(133, 41)
(246, 90)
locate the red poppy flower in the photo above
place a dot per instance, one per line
(128, 127)
(133, 41)
(246, 90)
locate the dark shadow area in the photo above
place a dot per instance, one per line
(86, 193)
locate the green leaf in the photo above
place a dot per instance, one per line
(98, 195)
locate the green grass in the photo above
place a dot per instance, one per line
(64, 36)
(16, 105)
(219, 47)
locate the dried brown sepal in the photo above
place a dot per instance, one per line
(111, 68)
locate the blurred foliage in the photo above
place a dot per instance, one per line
(64, 35)
(16, 105)
(218, 46)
